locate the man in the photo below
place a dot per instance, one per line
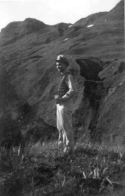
(64, 103)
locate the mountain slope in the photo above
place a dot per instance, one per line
(90, 19)
(105, 39)
(28, 56)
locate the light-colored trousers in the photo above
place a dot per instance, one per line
(64, 124)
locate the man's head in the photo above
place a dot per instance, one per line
(62, 63)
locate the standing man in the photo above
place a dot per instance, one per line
(64, 103)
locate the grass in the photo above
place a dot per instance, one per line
(46, 170)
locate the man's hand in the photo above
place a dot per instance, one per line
(58, 99)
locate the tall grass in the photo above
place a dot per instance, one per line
(45, 170)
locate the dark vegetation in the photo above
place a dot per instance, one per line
(88, 172)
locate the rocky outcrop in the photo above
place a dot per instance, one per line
(62, 27)
(21, 28)
(111, 124)
(104, 105)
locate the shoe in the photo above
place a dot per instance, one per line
(68, 150)
(60, 144)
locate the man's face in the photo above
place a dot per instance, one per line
(61, 67)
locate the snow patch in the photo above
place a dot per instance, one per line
(70, 26)
(65, 39)
(122, 81)
(91, 25)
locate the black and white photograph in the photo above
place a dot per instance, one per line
(62, 98)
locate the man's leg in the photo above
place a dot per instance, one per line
(59, 126)
(68, 129)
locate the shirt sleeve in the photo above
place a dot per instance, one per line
(71, 84)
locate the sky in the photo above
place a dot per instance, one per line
(51, 11)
